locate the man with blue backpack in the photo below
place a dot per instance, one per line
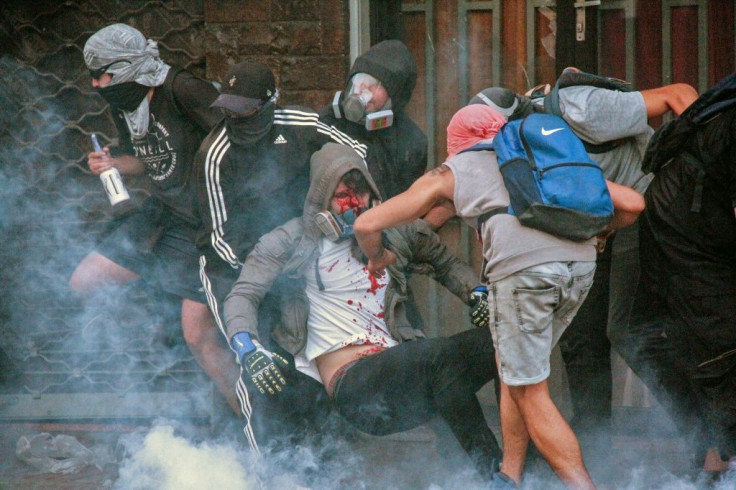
(536, 280)
(612, 121)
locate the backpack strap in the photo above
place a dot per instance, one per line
(699, 164)
(478, 147)
(488, 215)
(168, 85)
(570, 78)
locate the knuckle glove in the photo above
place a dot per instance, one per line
(479, 315)
(263, 371)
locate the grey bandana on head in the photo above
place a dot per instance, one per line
(129, 57)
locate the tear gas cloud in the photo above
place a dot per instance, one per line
(166, 461)
(128, 341)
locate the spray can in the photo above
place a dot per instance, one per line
(111, 180)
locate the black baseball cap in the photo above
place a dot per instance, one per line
(246, 86)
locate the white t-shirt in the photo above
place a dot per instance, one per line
(350, 308)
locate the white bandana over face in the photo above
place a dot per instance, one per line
(129, 57)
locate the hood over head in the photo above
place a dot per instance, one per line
(391, 63)
(328, 165)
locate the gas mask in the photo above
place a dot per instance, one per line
(358, 95)
(248, 130)
(337, 227)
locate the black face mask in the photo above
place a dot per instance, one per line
(247, 131)
(126, 96)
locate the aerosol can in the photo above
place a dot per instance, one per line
(111, 180)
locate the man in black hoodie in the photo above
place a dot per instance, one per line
(371, 110)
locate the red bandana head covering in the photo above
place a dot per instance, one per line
(470, 125)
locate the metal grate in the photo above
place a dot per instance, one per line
(121, 355)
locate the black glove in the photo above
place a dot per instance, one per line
(261, 364)
(479, 307)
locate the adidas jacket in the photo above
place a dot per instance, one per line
(245, 192)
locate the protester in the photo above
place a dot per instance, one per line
(688, 261)
(253, 175)
(162, 114)
(381, 374)
(617, 123)
(536, 283)
(372, 109)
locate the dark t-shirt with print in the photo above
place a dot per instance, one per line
(176, 128)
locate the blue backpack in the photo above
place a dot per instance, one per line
(553, 184)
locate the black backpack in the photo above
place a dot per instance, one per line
(168, 84)
(673, 139)
(669, 140)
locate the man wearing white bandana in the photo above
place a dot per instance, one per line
(162, 113)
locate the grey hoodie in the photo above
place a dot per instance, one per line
(289, 252)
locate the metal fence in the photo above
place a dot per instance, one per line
(119, 355)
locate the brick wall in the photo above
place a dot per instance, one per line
(305, 42)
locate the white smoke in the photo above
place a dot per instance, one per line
(163, 460)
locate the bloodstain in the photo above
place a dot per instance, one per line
(350, 301)
(380, 315)
(348, 200)
(375, 286)
(330, 267)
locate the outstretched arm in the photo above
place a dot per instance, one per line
(676, 98)
(424, 194)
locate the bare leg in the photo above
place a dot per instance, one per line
(551, 434)
(96, 271)
(513, 434)
(208, 347)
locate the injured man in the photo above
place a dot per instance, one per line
(382, 375)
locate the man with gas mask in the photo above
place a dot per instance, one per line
(382, 376)
(371, 110)
(252, 175)
(161, 113)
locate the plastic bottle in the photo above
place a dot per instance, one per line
(111, 180)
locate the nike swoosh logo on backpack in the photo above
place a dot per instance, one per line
(546, 132)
